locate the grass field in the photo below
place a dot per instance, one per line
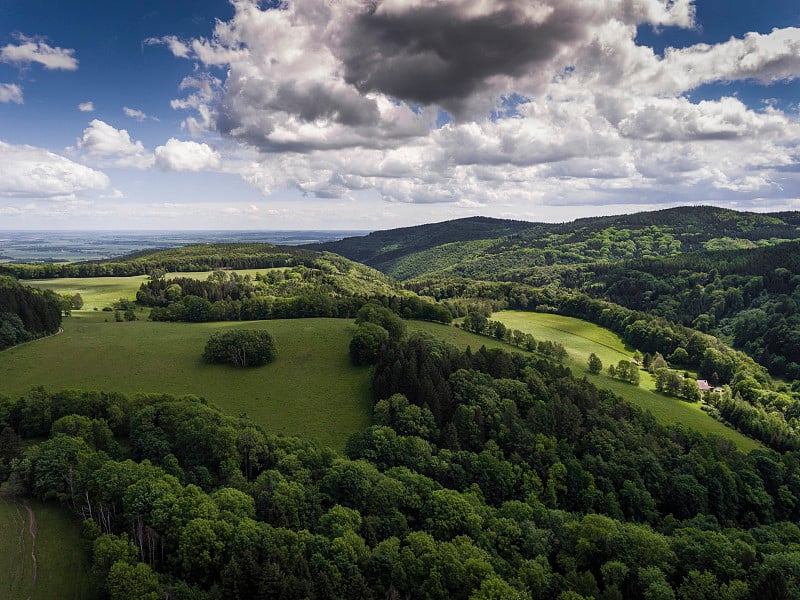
(581, 338)
(98, 292)
(61, 569)
(311, 389)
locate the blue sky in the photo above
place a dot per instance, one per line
(310, 114)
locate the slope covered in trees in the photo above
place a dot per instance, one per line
(196, 257)
(493, 253)
(733, 274)
(330, 287)
(486, 475)
(26, 313)
(750, 297)
(382, 249)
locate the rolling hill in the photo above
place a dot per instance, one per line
(484, 248)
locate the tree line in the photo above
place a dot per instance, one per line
(26, 313)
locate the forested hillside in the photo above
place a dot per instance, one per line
(198, 257)
(382, 249)
(26, 313)
(492, 254)
(750, 297)
(732, 274)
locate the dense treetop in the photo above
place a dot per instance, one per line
(26, 313)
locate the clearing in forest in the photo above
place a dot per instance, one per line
(581, 338)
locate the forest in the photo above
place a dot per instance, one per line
(486, 475)
(26, 313)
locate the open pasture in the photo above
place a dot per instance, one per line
(311, 389)
(98, 292)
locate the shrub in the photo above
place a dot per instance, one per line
(240, 347)
(367, 343)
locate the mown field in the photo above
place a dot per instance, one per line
(311, 389)
(61, 568)
(98, 292)
(581, 338)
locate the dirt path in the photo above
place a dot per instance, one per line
(32, 529)
(60, 330)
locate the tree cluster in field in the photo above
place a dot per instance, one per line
(676, 384)
(299, 292)
(26, 313)
(70, 302)
(240, 348)
(478, 322)
(625, 370)
(523, 483)
(377, 325)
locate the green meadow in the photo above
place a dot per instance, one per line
(61, 568)
(311, 389)
(98, 292)
(581, 338)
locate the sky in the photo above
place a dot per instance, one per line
(374, 114)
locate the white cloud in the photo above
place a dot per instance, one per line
(678, 119)
(113, 146)
(11, 92)
(176, 155)
(137, 114)
(26, 171)
(114, 195)
(176, 46)
(336, 98)
(33, 50)
(86, 106)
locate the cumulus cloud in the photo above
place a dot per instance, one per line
(484, 102)
(135, 113)
(34, 50)
(177, 155)
(113, 146)
(11, 92)
(29, 172)
(86, 106)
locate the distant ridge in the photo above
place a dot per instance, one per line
(461, 246)
(386, 246)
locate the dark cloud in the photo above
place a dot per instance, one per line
(315, 101)
(436, 55)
